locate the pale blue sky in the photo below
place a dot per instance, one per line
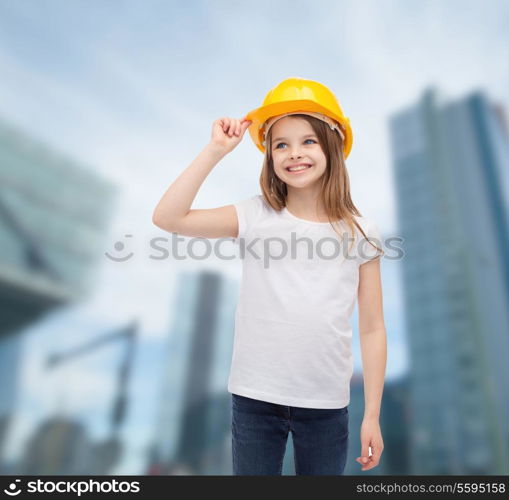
(131, 89)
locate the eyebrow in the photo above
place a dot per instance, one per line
(284, 138)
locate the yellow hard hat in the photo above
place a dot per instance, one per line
(298, 94)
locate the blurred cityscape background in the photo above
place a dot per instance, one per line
(115, 352)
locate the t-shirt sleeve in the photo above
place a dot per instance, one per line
(248, 212)
(366, 251)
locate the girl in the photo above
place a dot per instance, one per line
(292, 361)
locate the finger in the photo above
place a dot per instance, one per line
(238, 128)
(365, 452)
(231, 129)
(362, 465)
(367, 465)
(245, 125)
(235, 127)
(224, 124)
(376, 456)
(228, 124)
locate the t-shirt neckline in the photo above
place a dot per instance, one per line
(289, 214)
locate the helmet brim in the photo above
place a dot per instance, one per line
(260, 115)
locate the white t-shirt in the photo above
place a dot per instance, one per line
(292, 339)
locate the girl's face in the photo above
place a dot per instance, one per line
(295, 142)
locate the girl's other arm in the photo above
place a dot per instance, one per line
(173, 212)
(373, 340)
(372, 334)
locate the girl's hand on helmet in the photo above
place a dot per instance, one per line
(228, 132)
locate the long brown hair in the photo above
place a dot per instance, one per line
(335, 187)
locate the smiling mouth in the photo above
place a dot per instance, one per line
(300, 168)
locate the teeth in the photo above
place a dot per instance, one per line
(294, 169)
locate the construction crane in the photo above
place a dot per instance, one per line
(108, 451)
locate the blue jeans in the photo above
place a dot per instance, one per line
(260, 432)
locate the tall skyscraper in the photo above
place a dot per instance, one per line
(451, 174)
(192, 433)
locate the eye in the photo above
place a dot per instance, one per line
(277, 146)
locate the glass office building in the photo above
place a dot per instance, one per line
(451, 174)
(53, 218)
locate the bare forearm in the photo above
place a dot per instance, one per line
(178, 198)
(374, 359)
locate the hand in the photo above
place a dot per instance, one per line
(371, 436)
(228, 132)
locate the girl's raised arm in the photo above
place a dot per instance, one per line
(173, 212)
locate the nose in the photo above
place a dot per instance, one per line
(294, 154)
